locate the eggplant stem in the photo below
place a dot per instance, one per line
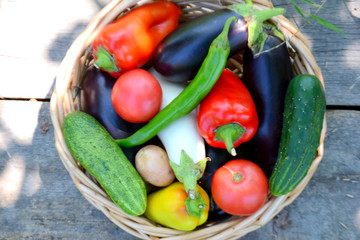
(255, 19)
(188, 173)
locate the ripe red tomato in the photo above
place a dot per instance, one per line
(240, 187)
(136, 96)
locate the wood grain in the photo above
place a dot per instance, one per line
(31, 64)
(45, 204)
(336, 54)
(38, 199)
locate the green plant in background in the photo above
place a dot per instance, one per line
(307, 16)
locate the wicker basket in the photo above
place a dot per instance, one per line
(64, 101)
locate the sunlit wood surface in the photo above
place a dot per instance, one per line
(38, 200)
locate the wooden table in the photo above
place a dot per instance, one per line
(38, 200)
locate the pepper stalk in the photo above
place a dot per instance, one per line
(189, 172)
(229, 133)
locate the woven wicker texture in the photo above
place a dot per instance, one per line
(64, 100)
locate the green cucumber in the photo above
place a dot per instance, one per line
(93, 147)
(304, 112)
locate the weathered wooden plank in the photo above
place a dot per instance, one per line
(35, 36)
(328, 208)
(337, 55)
(38, 199)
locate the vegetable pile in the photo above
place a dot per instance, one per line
(171, 133)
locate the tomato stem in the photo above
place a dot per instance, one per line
(237, 177)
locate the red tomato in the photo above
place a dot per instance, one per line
(240, 187)
(136, 96)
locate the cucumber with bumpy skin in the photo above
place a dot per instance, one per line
(93, 147)
(304, 111)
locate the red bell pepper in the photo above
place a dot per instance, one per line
(227, 116)
(129, 41)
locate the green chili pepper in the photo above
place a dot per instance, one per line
(191, 96)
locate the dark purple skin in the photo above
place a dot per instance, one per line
(218, 158)
(267, 78)
(96, 100)
(179, 56)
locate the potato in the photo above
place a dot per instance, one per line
(152, 163)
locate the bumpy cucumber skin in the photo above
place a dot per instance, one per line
(304, 111)
(92, 146)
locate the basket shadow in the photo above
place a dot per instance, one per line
(63, 197)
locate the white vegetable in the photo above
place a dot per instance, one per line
(181, 134)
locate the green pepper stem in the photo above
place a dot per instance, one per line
(221, 41)
(196, 206)
(105, 60)
(229, 133)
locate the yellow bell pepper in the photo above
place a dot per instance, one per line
(168, 207)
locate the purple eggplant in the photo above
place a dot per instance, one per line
(96, 90)
(267, 77)
(179, 56)
(218, 158)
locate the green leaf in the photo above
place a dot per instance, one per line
(318, 19)
(298, 9)
(313, 4)
(309, 2)
(302, 14)
(327, 24)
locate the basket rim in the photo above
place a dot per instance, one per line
(62, 103)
